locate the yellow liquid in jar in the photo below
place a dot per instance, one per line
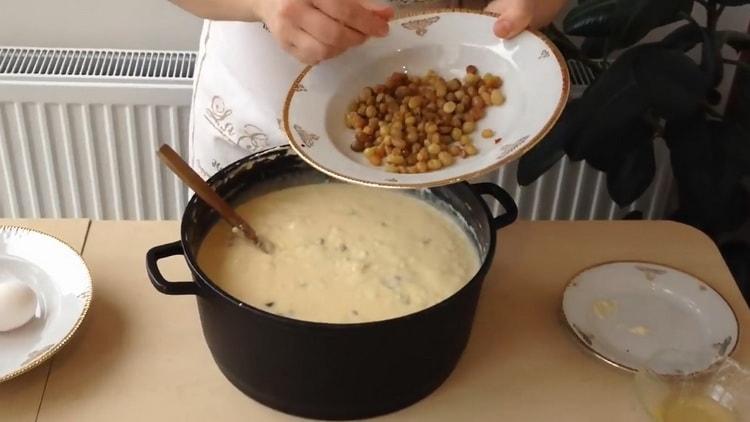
(694, 408)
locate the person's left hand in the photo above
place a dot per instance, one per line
(517, 15)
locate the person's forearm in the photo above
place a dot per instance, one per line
(230, 10)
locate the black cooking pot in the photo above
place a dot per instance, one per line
(321, 370)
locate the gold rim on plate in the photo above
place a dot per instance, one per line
(509, 158)
(38, 360)
(591, 351)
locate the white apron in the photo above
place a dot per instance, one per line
(241, 80)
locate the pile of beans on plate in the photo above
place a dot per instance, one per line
(416, 124)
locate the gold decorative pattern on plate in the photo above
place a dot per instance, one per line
(507, 149)
(721, 348)
(420, 25)
(298, 87)
(308, 138)
(649, 272)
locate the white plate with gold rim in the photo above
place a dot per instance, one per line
(536, 86)
(626, 312)
(61, 281)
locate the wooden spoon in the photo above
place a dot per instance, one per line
(182, 170)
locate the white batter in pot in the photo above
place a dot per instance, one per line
(343, 254)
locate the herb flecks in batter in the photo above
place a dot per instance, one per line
(392, 283)
(354, 311)
(384, 272)
(270, 304)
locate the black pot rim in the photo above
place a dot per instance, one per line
(204, 281)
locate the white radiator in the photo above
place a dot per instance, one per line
(79, 128)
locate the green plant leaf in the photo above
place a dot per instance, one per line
(551, 149)
(739, 41)
(738, 106)
(671, 81)
(733, 2)
(539, 159)
(593, 18)
(713, 97)
(636, 18)
(607, 155)
(606, 118)
(737, 210)
(728, 172)
(710, 192)
(735, 145)
(624, 22)
(568, 48)
(610, 103)
(594, 47)
(633, 215)
(633, 172)
(563, 43)
(711, 63)
(689, 144)
(684, 37)
(737, 256)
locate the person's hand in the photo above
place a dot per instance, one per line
(315, 30)
(517, 15)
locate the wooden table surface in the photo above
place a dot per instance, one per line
(140, 355)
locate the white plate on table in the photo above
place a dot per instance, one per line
(62, 283)
(536, 86)
(627, 312)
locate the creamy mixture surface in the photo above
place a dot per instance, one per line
(342, 254)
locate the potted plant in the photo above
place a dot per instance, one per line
(648, 92)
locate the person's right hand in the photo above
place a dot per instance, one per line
(315, 30)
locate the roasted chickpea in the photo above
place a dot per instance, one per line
(415, 124)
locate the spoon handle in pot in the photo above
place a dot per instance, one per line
(204, 191)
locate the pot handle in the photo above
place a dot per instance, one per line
(504, 198)
(157, 279)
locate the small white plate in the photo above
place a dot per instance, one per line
(536, 85)
(626, 312)
(61, 280)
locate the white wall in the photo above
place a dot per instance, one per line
(132, 24)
